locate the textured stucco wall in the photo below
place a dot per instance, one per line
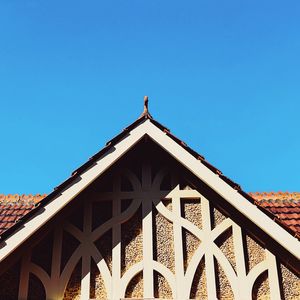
(74, 285)
(290, 284)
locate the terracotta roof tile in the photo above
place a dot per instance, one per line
(283, 205)
(14, 207)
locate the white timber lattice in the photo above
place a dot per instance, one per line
(146, 194)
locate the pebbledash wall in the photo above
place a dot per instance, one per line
(148, 228)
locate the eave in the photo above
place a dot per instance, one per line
(113, 151)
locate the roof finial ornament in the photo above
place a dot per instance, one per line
(146, 100)
(146, 113)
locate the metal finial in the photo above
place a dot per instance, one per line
(146, 104)
(146, 110)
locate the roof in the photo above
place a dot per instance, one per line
(14, 207)
(114, 150)
(283, 205)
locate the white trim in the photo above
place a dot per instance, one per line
(104, 162)
(147, 226)
(249, 210)
(239, 202)
(273, 276)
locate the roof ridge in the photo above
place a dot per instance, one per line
(275, 196)
(21, 198)
(145, 120)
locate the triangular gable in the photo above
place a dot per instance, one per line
(117, 148)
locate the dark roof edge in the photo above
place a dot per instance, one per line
(75, 174)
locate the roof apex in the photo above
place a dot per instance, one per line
(119, 146)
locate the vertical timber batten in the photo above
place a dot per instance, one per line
(147, 234)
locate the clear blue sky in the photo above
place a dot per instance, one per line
(224, 76)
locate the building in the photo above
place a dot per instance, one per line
(148, 217)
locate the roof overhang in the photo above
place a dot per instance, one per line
(108, 158)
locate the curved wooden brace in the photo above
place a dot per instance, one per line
(163, 210)
(159, 178)
(227, 268)
(136, 184)
(220, 229)
(103, 268)
(68, 269)
(74, 231)
(128, 276)
(193, 229)
(167, 274)
(123, 217)
(255, 273)
(41, 274)
(192, 267)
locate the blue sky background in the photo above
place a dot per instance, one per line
(224, 76)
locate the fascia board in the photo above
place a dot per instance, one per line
(70, 192)
(180, 154)
(249, 210)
